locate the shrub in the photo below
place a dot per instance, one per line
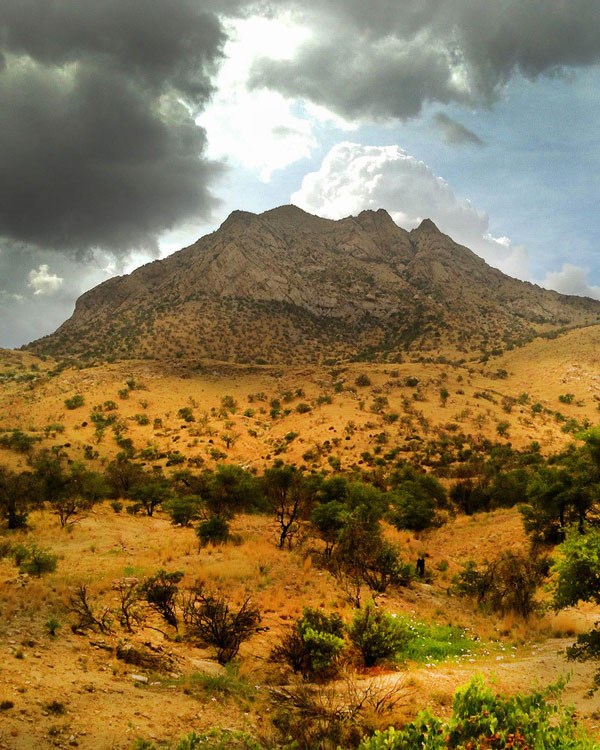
(35, 560)
(314, 645)
(376, 634)
(214, 530)
(482, 720)
(506, 584)
(362, 380)
(74, 402)
(186, 414)
(160, 591)
(52, 626)
(215, 623)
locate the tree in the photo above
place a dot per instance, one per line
(122, 475)
(578, 570)
(578, 579)
(152, 491)
(17, 494)
(184, 510)
(67, 492)
(290, 497)
(506, 584)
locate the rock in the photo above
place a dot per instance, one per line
(139, 678)
(144, 657)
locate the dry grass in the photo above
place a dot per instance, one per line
(106, 709)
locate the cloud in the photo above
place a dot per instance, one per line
(353, 178)
(571, 280)
(98, 143)
(386, 60)
(257, 129)
(454, 133)
(44, 282)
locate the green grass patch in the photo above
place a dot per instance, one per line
(433, 643)
(229, 684)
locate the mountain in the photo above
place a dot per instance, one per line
(286, 286)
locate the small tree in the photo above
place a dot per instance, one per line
(36, 560)
(151, 492)
(184, 510)
(506, 584)
(215, 623)
(215, 530)
(289, 495)
(376, 634)
(578, 570)
(17, 495)
(160, 591)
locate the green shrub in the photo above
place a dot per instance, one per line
(377, 635)
(481, 721)
(214, 530)
(52, 626)
(74, 402)
(18, 441)
(186, 414)
(35, 560)
(314, 645)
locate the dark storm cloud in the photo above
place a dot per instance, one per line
(98, 145)
(384, 59)
(454, 133)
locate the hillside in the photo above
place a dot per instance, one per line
(311, 415)
(367, 420)
(285, 286)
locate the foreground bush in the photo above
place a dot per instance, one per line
(377, 635)
(314, 645)
(214, 621)
(483, 721)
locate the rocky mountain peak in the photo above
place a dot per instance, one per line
(286, 285)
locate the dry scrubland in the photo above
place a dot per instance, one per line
(70, 689)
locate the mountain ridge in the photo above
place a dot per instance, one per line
(265, 286)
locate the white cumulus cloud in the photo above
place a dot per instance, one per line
(42, 281)
(353, 177)
(258, 129)
(571, 280)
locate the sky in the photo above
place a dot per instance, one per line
(129, 128)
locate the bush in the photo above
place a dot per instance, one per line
(362, 380)
(186, 414)
(35, 560)
(75, 401)
(215, 530)
(481, 720)
(160, 591)
(314, 645)
(212, 620)
(506, 584)
(377, 635)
